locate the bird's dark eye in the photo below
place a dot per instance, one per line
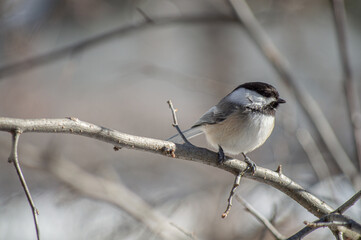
(274, 104)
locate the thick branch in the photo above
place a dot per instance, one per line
(181, 151)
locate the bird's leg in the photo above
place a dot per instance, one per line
(251, 165)
(221, 156)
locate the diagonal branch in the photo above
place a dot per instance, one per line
(350, 88)
(348, 203)
(79, 47)
(13, 158)
(260, 218)
(118, 195)
(310, 107)
(181, 151)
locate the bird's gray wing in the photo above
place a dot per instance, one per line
(217, 113)
(190, 133)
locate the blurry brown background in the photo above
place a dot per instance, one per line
(123, 83)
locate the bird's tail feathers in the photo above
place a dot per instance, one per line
(190, 133)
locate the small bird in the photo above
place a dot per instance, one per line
(241, 122)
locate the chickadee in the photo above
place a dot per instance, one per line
(241, 122)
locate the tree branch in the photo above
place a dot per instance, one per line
(13, 158)
(181, 151)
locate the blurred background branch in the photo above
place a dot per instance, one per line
(308, 104)
(350, 87)
(79, 47)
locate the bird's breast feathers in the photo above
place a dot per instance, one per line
(240, 132)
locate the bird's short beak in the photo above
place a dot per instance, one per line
(280, 100)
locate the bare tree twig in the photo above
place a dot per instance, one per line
(181, 151)
(325, 224)
(13, 158)
(260, 218)
(350, 88)
(332, 220)
(236, 183)
(175, 122)
(79, 47)
(348, 203)
(307, 103)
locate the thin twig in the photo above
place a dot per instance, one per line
(13, 158)
(236, 183)
(348, 203)
(331, 220)
(175, 122)
(325, 224)
(144, 15)
(260, 218)
(334, 219)
(350, 88)
(306, 101)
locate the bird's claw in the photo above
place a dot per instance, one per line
(221, 156)
(251, 165)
